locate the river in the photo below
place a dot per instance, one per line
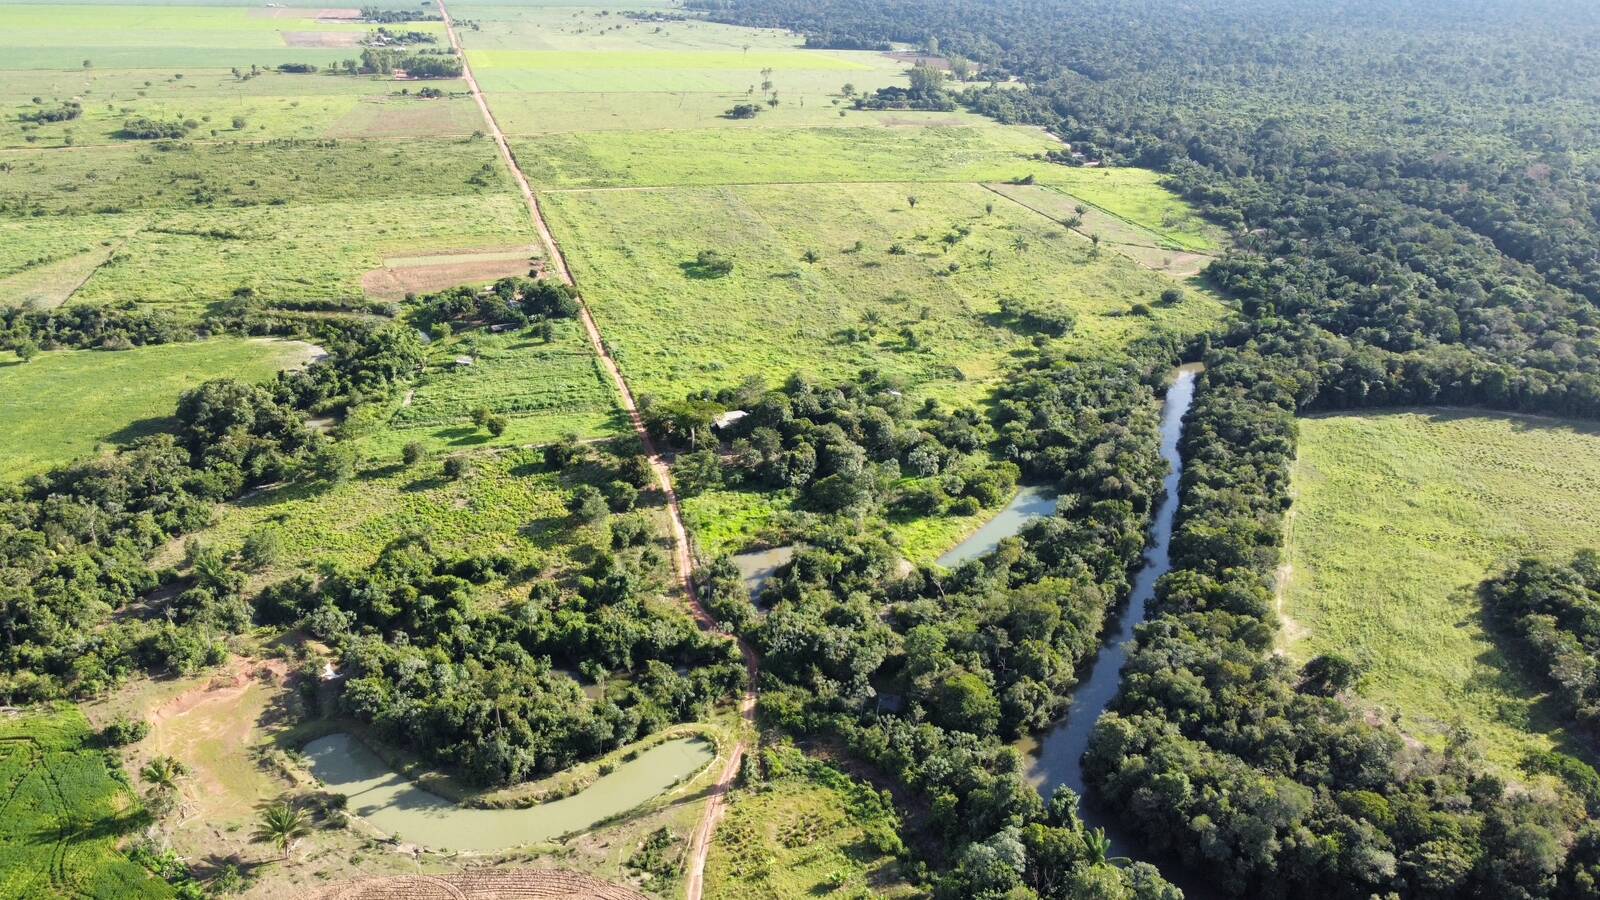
(1057, 757)
(398, 807)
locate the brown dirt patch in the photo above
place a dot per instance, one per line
(547, 884)
(321, 38)
(394, 282)
(920, 59)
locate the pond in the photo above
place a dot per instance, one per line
(758, 566)
(1032, 502)
(397, 807)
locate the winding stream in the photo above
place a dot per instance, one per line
(397, 806)
(1057, 757)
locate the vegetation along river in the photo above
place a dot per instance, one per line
(396, 806)
(1057, 758)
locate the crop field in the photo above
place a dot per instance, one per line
(64, 813)
(1398, 518)
(917, 299)
(60, 405)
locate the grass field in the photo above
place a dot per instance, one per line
(61, 405)
(63, 813)
(776, 314)
(1398, 517)
(544, 390)
(809, 830)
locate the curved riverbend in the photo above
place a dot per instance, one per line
(396, 806)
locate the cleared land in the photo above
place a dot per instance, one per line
(918, 299)
(1398, 518)
(60, 405)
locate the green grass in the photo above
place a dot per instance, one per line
(804, 832)
(64, 35)
(59, 406)
(731, 521)
(1398, 517)
(674, 333)
(273, 106)
(718, 156)
(64, 811)
(544, 390)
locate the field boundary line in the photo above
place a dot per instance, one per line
(683, 559)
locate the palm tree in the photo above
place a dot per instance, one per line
(163, 773)
(811, 257)
(282, 824)
(1097, 845)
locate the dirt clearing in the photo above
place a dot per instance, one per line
(553, 884)
(421, 274)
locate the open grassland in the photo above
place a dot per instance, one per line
(918, 299)
(193, 224)
(69, 35)
(780, 156)
(808, 830)
(59, 406)
(64, 810)
(270, 106)
(1398, 518)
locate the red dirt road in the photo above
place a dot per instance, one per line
(682, 558)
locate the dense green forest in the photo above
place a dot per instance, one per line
(1413, 194)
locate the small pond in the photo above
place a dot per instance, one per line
(396, 806)
(1032, 502)
(758, 566)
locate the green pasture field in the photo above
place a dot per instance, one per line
(674, 332)
(537, 112)
(307, 251)
(1398, 518)
(228, 177)
(65, 809)
(714, 156)
(67, 35)
(544, 390)
(60, 405)
(273, 106)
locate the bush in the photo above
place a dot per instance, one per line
(122, 731)
(413, 453)
(457, 466)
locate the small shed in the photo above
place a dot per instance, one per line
(728, 418)
(465, 360)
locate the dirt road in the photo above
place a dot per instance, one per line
(682, 558)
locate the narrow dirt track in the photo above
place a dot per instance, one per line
(683, 559)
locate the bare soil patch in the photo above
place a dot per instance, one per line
(422, 274)
(554, 884)
(920, 59)
(321, 39)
